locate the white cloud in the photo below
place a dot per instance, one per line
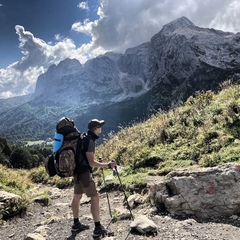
(83, 5)
(20, 77)
(228, 18)
(121, 24)
(85, 27)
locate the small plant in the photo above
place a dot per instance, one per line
(115, 216)
(64, 182)
(210, 160)
(43, 199)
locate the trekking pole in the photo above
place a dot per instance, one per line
(109, 208)
(129, 208)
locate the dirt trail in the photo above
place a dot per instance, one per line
(54, 222)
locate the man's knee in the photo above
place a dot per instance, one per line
(95, 198)
(77, 197)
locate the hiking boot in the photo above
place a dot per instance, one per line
(79, 227)
(100, 231)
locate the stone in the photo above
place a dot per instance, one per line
(202, 192)
(34, 236)
(144, 225)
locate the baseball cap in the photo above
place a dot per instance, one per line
(95, 123)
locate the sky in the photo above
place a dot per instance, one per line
(35, 34)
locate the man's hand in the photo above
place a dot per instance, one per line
(112, 164)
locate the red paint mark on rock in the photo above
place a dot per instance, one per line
(237, 167)
(211, 189)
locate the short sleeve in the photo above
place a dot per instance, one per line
(91, 146)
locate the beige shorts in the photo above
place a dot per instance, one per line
(84, 183)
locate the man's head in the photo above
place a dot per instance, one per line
(95, 124)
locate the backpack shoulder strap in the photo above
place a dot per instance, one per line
(84, 140)
(78, 148)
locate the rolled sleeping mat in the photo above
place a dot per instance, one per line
(58, 141)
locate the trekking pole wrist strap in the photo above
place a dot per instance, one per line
(109, 165)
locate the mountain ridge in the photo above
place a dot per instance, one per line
(178, 61)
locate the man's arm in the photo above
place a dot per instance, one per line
(93, 163)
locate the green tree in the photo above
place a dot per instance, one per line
(21, 158)
(5, 148)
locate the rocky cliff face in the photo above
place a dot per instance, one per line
(185, 58)
(110, 77)
(179, 60)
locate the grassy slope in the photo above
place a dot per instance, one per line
(201, 132)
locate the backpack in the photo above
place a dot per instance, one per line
(67, 148)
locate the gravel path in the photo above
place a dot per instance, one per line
(54, 222)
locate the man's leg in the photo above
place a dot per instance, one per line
(77, 226)
(75, 205)
(99, 230)
(95, 208)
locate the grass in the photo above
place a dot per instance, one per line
(200, 132)
(16, 182)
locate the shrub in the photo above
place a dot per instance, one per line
(39, 175)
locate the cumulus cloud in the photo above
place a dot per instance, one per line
(121, 25)
(85, 27)
(83, 5)
(227, 19)
(20, 77)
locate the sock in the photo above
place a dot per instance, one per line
(97, 224)
(76, 220)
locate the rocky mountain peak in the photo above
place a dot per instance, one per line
(180, 23)
(69, 65)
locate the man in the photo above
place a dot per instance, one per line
(84, 183)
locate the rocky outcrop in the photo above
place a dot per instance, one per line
(203, 192)
(7, 200)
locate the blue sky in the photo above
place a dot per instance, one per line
(35, 34)
(43, 18)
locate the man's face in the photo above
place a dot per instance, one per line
(97, 131)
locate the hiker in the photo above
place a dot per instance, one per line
(84, 183)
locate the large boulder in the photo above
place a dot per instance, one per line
(202, 192)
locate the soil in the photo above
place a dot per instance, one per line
(55, 220)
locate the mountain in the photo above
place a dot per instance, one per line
(120, 88)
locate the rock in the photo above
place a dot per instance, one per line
(6, 196)
(123, 213)
(135, 200)
(42, 230)
(202, 192)
(7, 202)
(144, 225)
(34, 236)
